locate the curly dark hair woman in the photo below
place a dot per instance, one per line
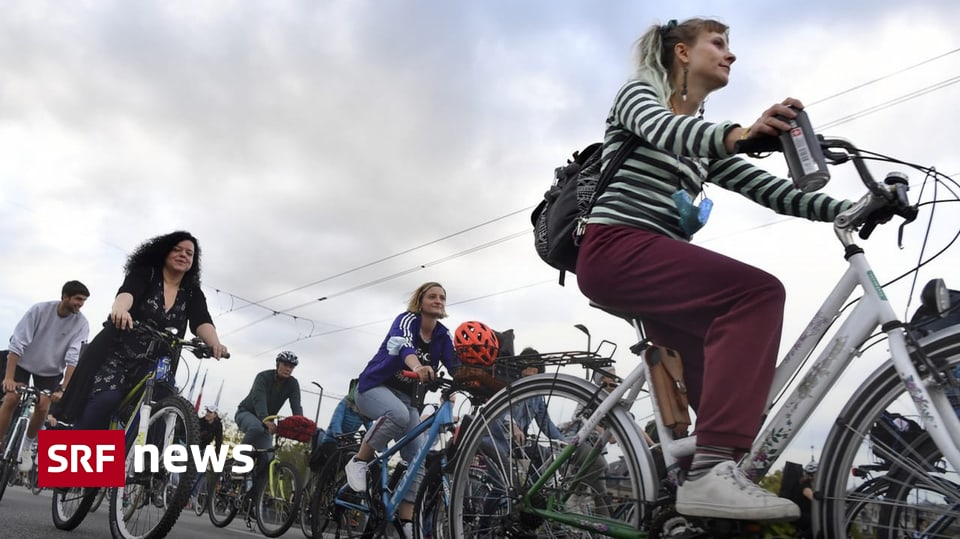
(161, 287)
(153, 253)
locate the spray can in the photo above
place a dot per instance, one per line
(804, 156)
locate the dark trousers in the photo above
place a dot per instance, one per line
(724, 317)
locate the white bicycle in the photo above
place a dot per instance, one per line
(610, 480)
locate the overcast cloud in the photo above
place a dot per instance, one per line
(301, 141)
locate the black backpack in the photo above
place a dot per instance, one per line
(895, 433)
(559, 220)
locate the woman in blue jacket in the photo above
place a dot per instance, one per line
(417, 342)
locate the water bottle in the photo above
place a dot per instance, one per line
(163, 368)
(249, 483)
(804, 156)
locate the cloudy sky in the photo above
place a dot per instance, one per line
(351, 150)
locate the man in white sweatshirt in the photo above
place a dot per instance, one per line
(46, 346)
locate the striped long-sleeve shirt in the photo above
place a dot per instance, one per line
(682, 152)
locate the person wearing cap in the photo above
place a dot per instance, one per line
(211, 427)
(211, 430)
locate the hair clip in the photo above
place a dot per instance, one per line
(671, 24)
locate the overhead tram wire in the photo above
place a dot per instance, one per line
(384, 259)
(286, 312)
(887, 76)
(895, 101)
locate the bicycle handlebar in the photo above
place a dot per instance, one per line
(878, 206)
(199, 348)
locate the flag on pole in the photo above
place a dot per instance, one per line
(193, 384)
(219, 392)
(200, 395)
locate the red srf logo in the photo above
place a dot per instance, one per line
(80, 458)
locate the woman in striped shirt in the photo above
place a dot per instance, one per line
(723, 316)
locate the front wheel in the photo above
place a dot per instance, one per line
(8, 474)
(278, 499)
(71, 505)
(879, 428)
(149, 504)
(224, 494)
(323, 510)
(492, 487)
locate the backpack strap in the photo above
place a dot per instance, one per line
(626, 148)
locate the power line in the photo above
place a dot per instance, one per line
(887, 76)
(895, 101)
(379, 260)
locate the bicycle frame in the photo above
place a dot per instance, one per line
(391, 501)
(18, 426)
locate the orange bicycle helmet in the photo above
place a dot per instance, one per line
(476, 343)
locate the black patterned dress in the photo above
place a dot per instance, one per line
(126, 361)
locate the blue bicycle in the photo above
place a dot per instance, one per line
(371, 514)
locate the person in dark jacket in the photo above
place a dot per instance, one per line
(271, 389)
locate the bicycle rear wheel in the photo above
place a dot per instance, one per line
(492, 478)
(224, 493)
(70, 506)
(278, 500)
(143, 508)
(919, 489)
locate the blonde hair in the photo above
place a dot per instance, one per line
(413, 305)
(654, 51)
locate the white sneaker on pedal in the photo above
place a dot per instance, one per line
(407, 530)
(725, 492)
(356, 472)
(26, 456)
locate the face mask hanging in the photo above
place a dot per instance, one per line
(692, 217)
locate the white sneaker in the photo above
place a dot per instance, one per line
(26, 456)
(725, 492)
(356, 471)
(408, 530)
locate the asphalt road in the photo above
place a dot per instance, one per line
(25, 516)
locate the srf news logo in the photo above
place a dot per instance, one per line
(96, 458)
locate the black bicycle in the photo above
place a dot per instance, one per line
(143, 508)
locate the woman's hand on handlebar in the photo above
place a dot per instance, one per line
(425, 373)
(121, 319)
(219, 350)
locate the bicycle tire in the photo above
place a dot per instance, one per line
(140, 509)
(916, 469)
(486, 479)
(7, 469)
(331, 478)
(430, 509)
(278, 500)
(305, 513)
(32, 478)
(224, 495)
(200, 503)
(71, 505)
(101, 494)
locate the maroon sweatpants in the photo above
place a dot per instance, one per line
(724, 317)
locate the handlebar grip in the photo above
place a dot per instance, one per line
(762, 144)
(409, 374)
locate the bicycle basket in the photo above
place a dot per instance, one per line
(297, 427)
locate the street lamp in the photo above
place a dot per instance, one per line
(319, 401)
